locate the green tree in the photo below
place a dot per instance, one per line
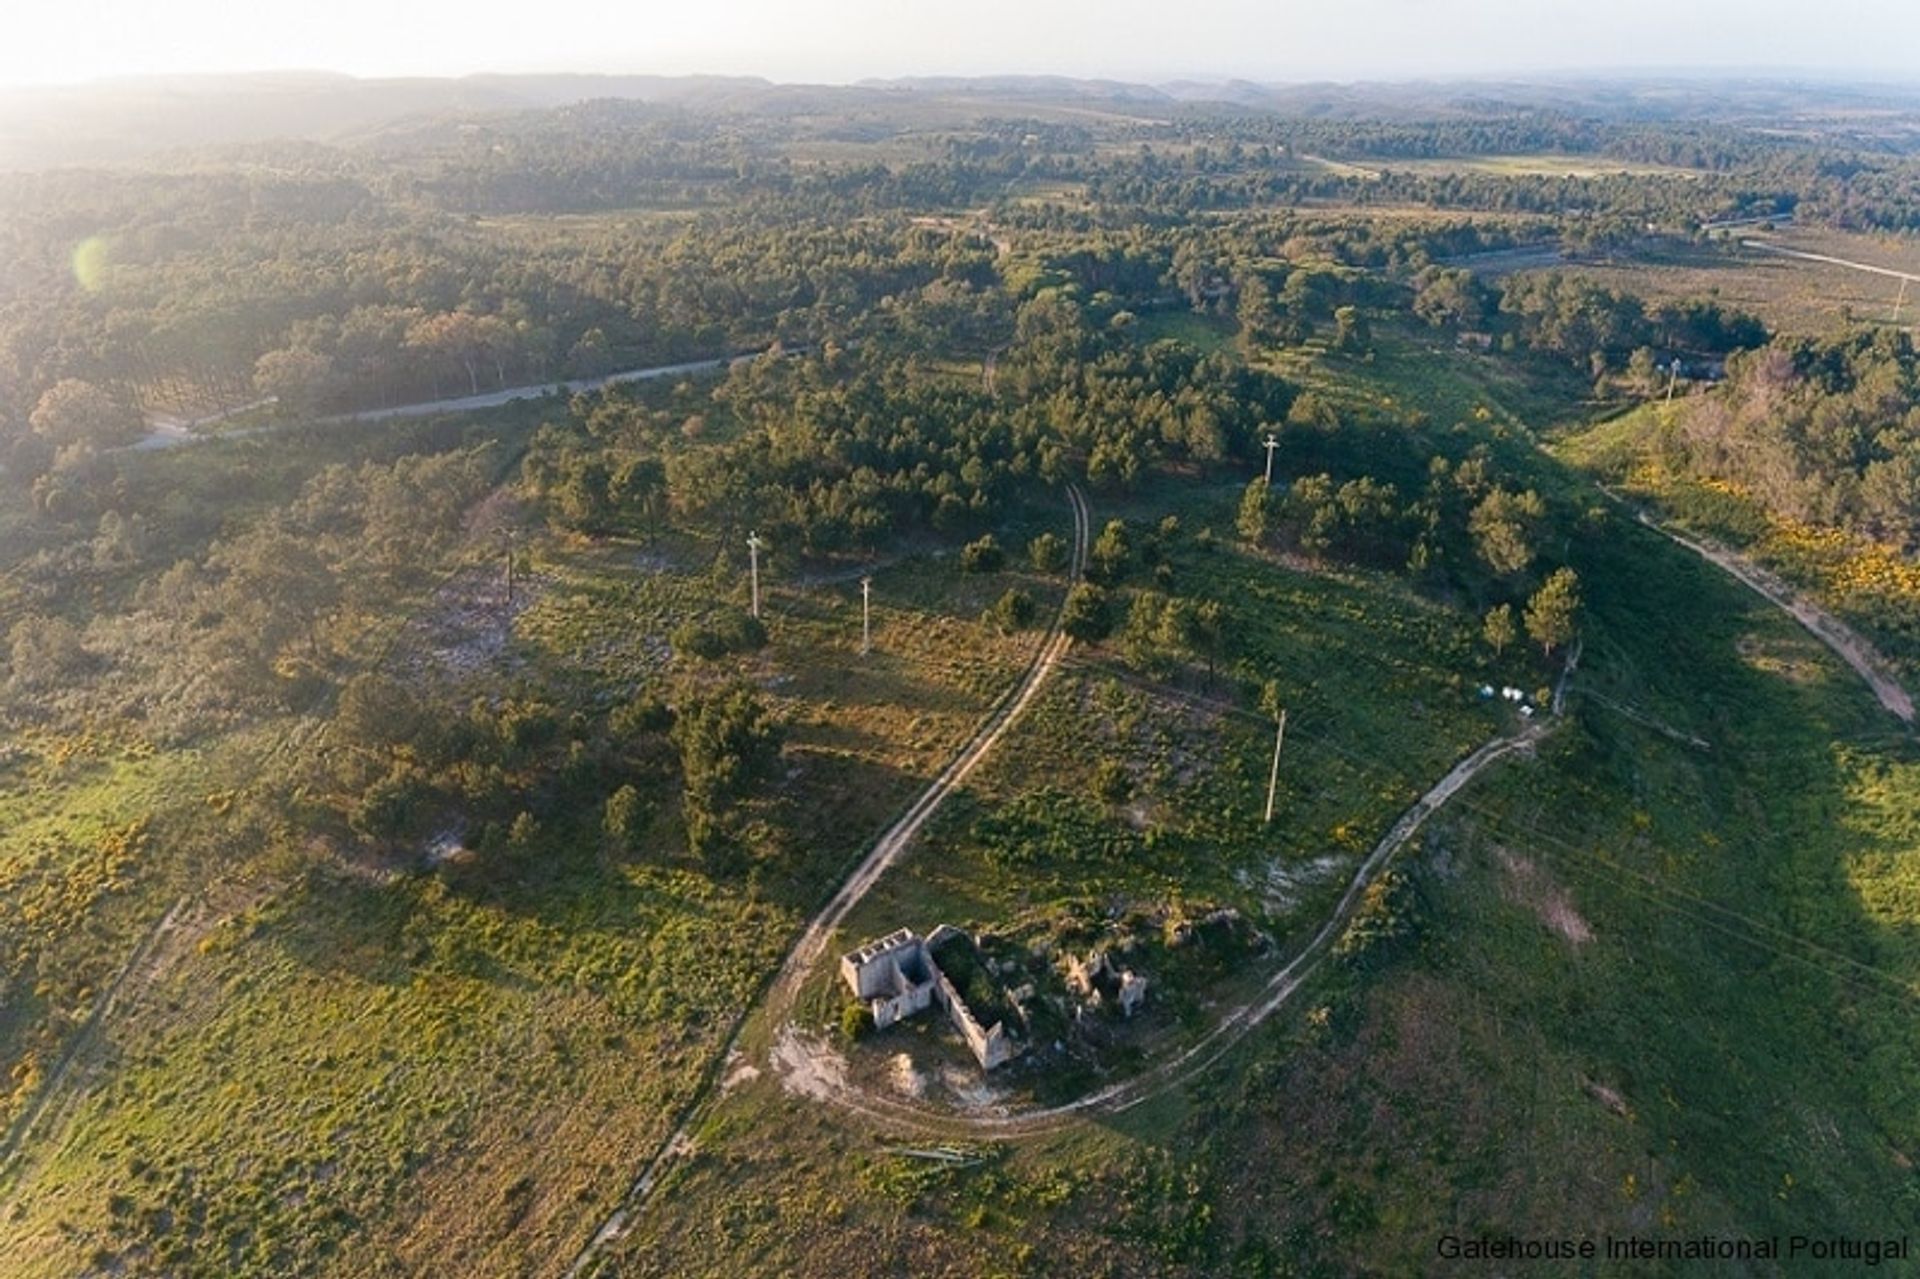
(1152, 636)
(1255, 513)
(582, 492)
(1351, 332)
(727, 740)
(298, 378)
(1315, 511)
(375, 719)
(78, 412)
(1112, 784)
(1211, 633)
(1087, 614)
(1643, 373)
(1047, 553)
(982, 556)
(1014, 611)
(388, 806)
(624, 819)
(856, 1021)
(277, 587)
(1500, 629)
(43, 651)
(1111, 552)
(639, 486)
(1505, 526)
(1554, 610)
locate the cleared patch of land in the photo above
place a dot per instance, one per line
(1792, 294)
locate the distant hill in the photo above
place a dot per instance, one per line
(122, 121)
(1025, 86)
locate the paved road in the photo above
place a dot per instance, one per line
(173, 435)
(1805, 256)
(1525, 257)
(494, 399)
(886, 853)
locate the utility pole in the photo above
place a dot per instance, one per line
(1272, 442)
(866, 616)
(753, 554)
(506, 537)
(1273, 779)
(1673, 379)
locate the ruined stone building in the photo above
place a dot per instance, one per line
(1096, 981)
(892, 976)
(899, 975)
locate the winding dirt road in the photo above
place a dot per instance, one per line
(893, 845)
(791, 1053)
(1846, 643)
(887, 851)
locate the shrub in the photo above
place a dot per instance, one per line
(647, 712)
(729, 633)
(1388, 916)
(1015, 611)
(983, 556)
(856, 1022)
(1112, 784)
(45, 651)
(1047, 553)
(1087, 615)
(388, 806)
(626, 815)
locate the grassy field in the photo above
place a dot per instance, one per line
(1656, 978)
(1378, 685)
(104, 825)
(1204, 332)
(1790, 294)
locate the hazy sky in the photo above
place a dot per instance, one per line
(838, 40)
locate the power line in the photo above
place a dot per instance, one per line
(1537, 836)
(1647, 885)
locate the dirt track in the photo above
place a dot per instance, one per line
(1846, 643)
(794, 1055)
(887, 850)
(892, 845)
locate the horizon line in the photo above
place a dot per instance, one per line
(1760, 73)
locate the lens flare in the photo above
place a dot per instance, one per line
(90, 263)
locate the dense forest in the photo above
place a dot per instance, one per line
(1826, 432)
